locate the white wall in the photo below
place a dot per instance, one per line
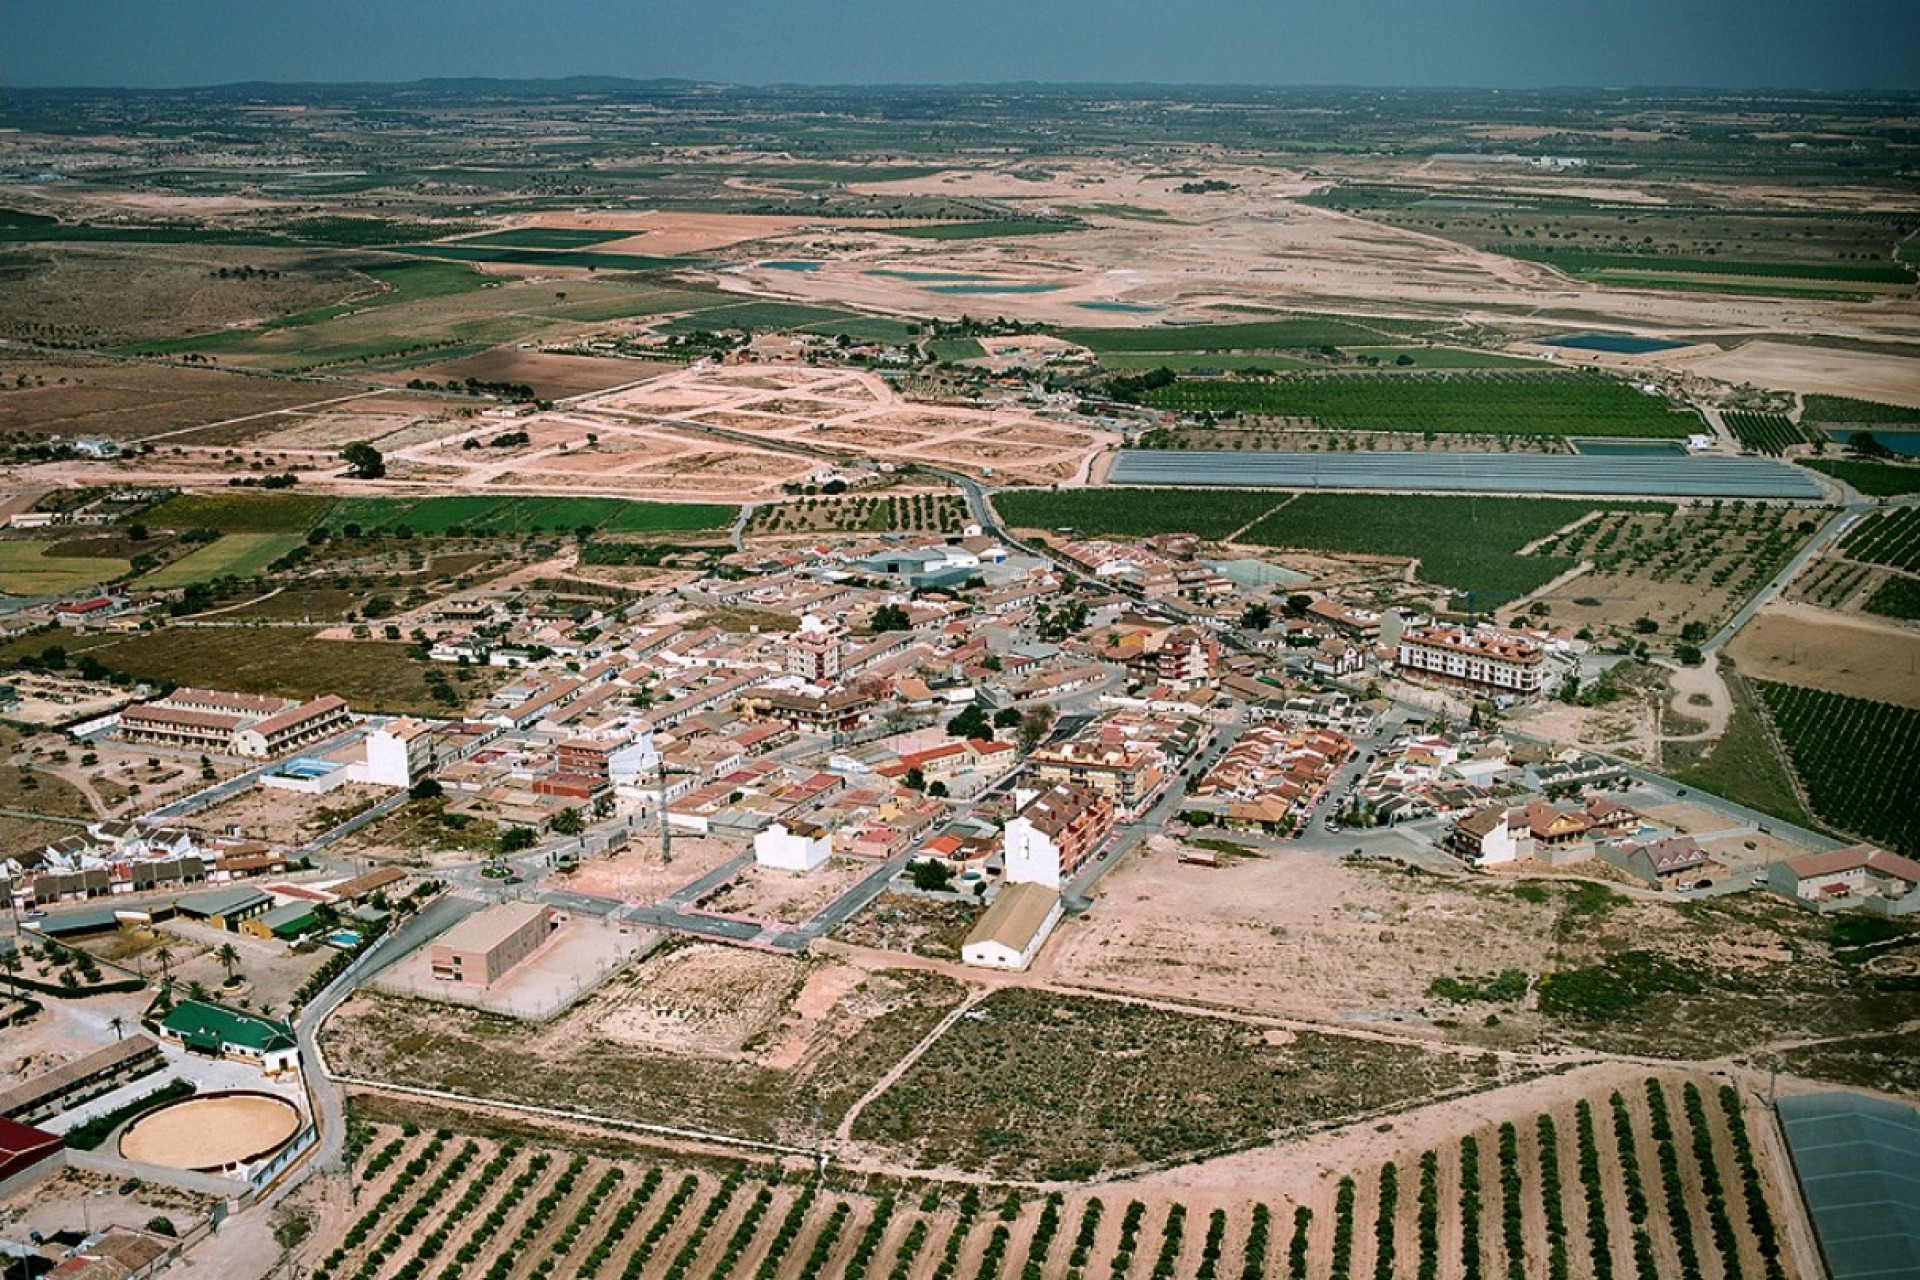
(782, 850)
(1032, 857)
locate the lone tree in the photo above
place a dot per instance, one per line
(568, 822)
(228, 958)
(363, 461)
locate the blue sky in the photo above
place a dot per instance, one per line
(1812, 44)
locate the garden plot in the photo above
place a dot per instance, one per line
(1800, 644)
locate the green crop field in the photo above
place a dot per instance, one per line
(25, 570)
(1858, 760)
(1875, 479)
(1886, 537)
(1844, 411)
(1492, 404)
(511, 515)
(1259, 335)
(1896, 598)
(1188, 361)
(544, 238)
(466, 252)
(1581, 262)
(372, 675)
(1769, 433)
(987, 230)
(763, 317)
(1445, 358)
(1136, 513)
(241, 512)
(1468, 544)
(956, 349)
(238, 555)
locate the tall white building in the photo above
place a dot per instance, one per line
(792, 846)
(399, 753)
(814, 652)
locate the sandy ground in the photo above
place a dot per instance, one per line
(202, 1133)
(574, 959)
(1890, 379)
(705, 1000)
(1292, 935)
(788, 896)
(1802, 644)
(284, 817)
(662, 233)
(637, 874)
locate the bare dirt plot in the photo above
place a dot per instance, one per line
(1819, 370)
(125, 400)
(208, 1133)
(664, 233)
(1259, 934)
(287, 817)
(723, 1039)
(1801, 644)
(763, 894)
(701, 999)
(636, 873)
(552, 376)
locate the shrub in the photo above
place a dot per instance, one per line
(1383, 1221)
(1343, 1231)
(1296, 1248)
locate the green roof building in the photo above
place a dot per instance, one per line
(204, 1027)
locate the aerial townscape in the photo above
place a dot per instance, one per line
(622, 678)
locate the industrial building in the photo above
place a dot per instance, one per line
(482, 948)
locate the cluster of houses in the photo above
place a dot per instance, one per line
(121, 857)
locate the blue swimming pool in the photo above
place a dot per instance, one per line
(306, 770)
(343, 939)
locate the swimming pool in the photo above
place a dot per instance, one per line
(343, 939)
(306, 770)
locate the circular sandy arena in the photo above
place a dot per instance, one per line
(212, 1132)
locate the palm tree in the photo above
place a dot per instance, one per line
(118, 1024)
(163, 956)
(228, 958)
(10, 961)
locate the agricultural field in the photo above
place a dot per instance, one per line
(1658, 1176)
(986, 229)
(1468, 544)
(46, 395)
(1529, 404)
(1039, 1085)
(1891, 538)
(372, 675)
(1769, 433)
(1858, 760)
(1135, 513)
(507, 515)
(467, 251)
(544, 238)
(1688, 566)
(1306, 332)
(1843, 411)
(910, 513)
(1875, 479)
(241, 512)
(759, 317)
(1895, 598)
(1603, 266)
(26, 569)
(234, 554)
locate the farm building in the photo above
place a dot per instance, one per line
(1859, 876)
(203, 1027)
(42, 1095)
(1013, 929)
(482, 948)
(26, 1155)
(225, 908)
